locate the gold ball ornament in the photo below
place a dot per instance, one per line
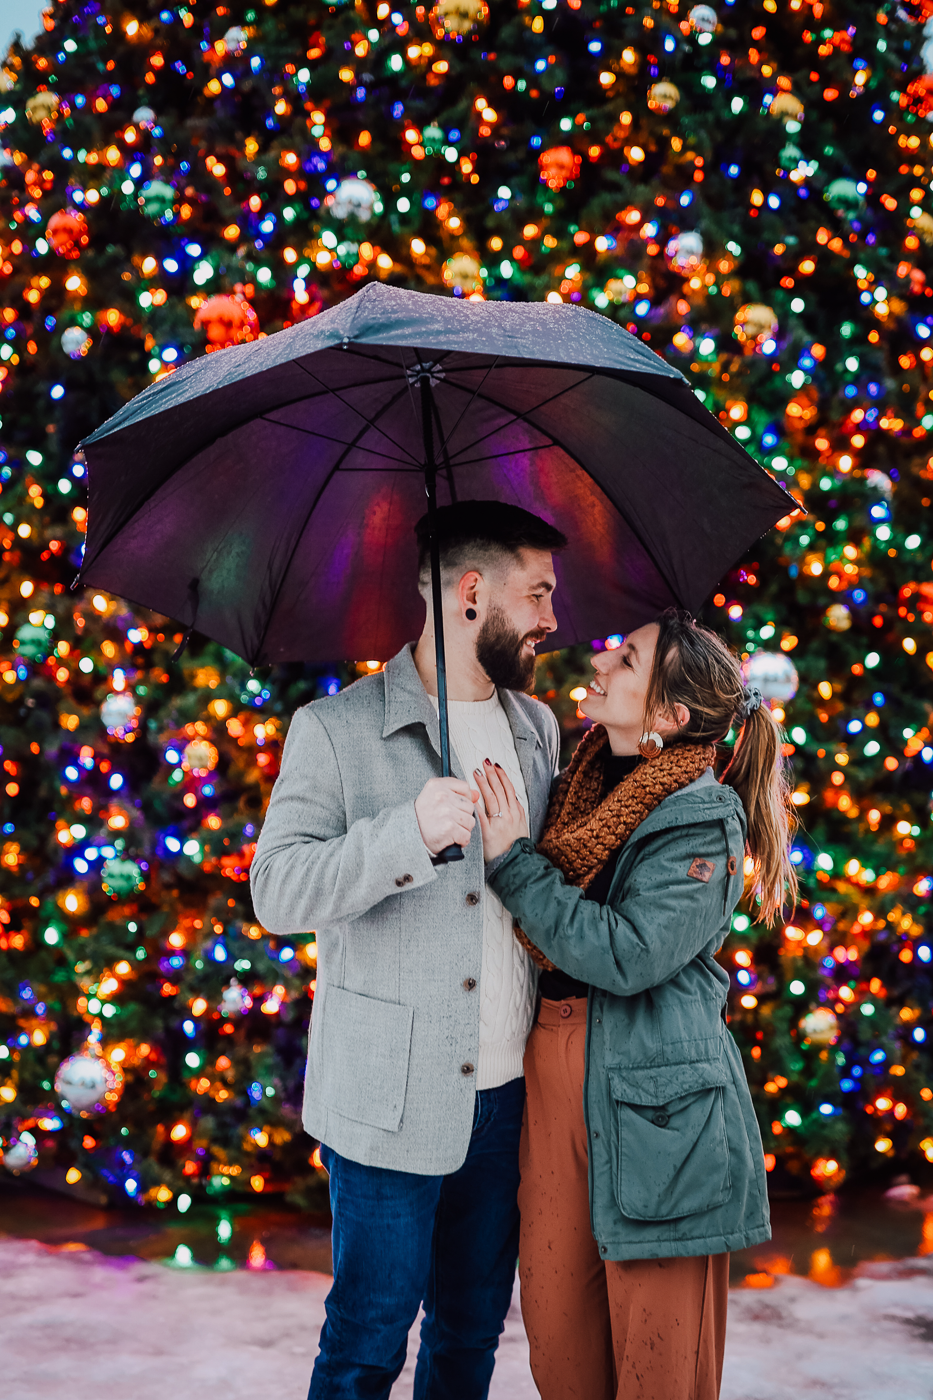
(200, 756)
(924, 226)
(42, 107)
(463, 271)
(820, 1026)
(837, 617)
(617, 292)
(663, 96)
(755, 322)
(787, 107)
(458, 17)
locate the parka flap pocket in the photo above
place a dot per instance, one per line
(672, 1157)
(658, 1084)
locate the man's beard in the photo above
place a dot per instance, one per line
(499, 650)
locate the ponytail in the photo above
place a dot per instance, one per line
(757, 773)
(693, 667)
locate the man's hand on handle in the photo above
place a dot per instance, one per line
(444, 809)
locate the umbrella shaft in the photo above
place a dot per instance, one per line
(453, 852)
(430, 486)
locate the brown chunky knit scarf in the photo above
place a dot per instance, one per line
(584, 827)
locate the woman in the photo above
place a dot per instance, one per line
(641, 1160)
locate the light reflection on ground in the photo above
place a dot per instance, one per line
(824, 1239)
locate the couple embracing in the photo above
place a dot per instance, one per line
(524, 1055)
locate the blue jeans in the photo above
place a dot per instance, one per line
(400, 1240)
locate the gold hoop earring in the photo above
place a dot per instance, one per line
(650, 744)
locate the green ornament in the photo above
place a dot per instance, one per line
(156, 198)
(121, 877)
(34, 642)
(843, 196)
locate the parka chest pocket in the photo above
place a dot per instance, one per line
(672, 1158)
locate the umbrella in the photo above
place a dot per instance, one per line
(266, 494)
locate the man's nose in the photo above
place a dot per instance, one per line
(549, 621)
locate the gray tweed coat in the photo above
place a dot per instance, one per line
(400, 942)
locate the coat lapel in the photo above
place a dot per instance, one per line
(407, 703)
(527, 744)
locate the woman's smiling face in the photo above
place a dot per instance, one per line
(616, 695)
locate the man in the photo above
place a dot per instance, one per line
(424, 998)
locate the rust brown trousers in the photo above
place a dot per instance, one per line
(643, 1329)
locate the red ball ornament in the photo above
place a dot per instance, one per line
(227, 320)
(920, 95)
(307, 303)
(67, 233)
(558, 165)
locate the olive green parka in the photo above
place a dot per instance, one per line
(675, 1158)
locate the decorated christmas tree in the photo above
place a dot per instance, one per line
(746, 190)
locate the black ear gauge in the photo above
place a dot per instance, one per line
(471, 614)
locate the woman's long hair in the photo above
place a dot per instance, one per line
(694, 667)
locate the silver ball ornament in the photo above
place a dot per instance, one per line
(773, 673)
(82, 1081)
(20, 1153)
(704, 19)
(234, 999)
(75, 342)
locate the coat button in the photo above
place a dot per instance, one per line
(472, 898)
(660, 1120)
(466, 1068)
(469, 984)
(596, 1135)
(566, 1010)
(603, 1249)
(404, 880)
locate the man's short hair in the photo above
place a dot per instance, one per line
(473, 534)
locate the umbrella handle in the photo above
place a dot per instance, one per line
(447, 855)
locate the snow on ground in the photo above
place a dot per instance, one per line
(78, 1324)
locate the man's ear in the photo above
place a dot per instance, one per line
(466, 590)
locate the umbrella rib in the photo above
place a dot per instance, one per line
(369, 422)
(556, 442)
(517, 415)
(325, 437)
(466, 408)
(311, 509)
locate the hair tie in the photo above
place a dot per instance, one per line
(751, 700)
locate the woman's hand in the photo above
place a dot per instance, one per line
(501, 816)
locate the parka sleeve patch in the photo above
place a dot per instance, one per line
(701, 869)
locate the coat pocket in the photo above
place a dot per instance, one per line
(672, 1158)
(365, 1049)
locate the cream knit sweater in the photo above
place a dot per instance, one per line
(478, 730)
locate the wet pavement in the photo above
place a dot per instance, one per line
(825, 1239)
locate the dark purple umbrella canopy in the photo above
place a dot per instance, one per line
(266, 494)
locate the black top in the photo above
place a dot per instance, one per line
(557, 985)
